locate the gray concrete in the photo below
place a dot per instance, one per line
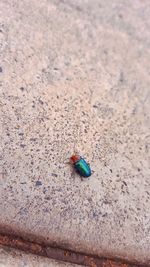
(76, 76)
(15, 258)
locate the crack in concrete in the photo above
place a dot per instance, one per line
(62, 254)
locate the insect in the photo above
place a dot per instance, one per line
(80, 165)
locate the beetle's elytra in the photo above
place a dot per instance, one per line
(81, 166)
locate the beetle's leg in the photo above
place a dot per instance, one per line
(83, 179)
(92, 157)
(66, 162)
(73, 174)
(76, 152)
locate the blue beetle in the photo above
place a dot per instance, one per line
(81, 166)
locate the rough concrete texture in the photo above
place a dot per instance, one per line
(76, 76)
(15, 258)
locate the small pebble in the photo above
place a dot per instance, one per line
(38, 183)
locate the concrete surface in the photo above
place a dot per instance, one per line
(76, 76)
(15, 258)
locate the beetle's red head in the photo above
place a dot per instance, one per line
(74, 158)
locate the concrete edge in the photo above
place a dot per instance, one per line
(62, 254)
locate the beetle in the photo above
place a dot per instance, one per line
(80, 165)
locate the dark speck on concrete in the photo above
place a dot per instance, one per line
(106, 202)
(47, 198)
(121, 79)
(1, 70)
(33, 139)
(22, 88)
(23, 210)
(111, 170)
(120, 16)
(41, 102)
(22, 145)
(20, 134)
(95, 106)
(38, 183)
(45, 210)
(105, 52)
(104, 215)
(94, 214)
(44, 190)
(54, 174)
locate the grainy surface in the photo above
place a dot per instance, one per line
(15, 258)
(76, 76)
